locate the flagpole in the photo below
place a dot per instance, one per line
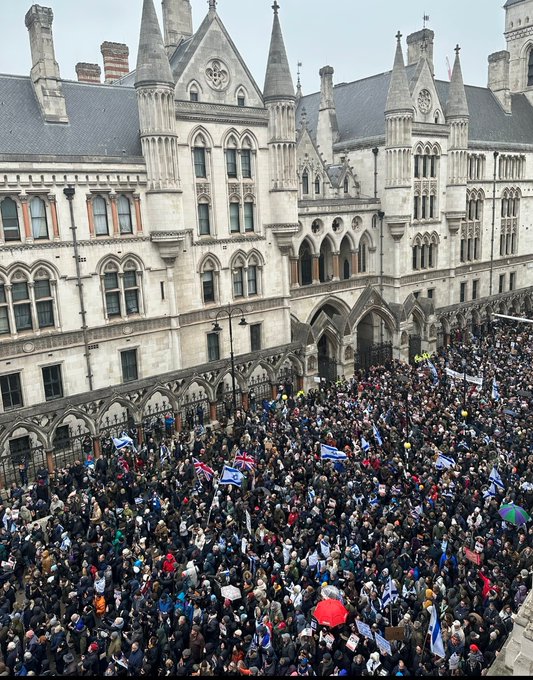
(212, 502)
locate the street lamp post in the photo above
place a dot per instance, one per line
(381, 215)
(464, 384)
(230, 312)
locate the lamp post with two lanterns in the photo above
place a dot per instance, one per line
(230, 312)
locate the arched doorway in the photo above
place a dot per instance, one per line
(327, 364)
(306, 269)
(415, 340)
(374, 341)
(325, 262)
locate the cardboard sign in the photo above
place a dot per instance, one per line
(352, 642)
(474, 557)
(395, 633)
(383, 645)
(365, 629)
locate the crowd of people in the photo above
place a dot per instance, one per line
(142, 562)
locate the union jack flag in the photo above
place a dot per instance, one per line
(202, 468)
(244, 461)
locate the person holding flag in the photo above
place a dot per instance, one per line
(435, 635)
(244, 461)
(203, 469)
(495, 390)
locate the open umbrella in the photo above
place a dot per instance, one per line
(330, 592)
(513, 514)
(330, 613)
(231, 593)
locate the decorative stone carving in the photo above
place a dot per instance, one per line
(217, 75)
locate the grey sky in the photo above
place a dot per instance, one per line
(355, 37)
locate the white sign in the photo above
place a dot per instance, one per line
(364, 629)
(352, 642)
(316, 379)
(248, 522)
(383, 645)
(455, 375)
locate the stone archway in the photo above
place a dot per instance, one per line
(374, 340)
(327, 357)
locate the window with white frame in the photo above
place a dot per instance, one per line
(249, 209)
(10, 220)
(101, 223)
(234, 217)
(39, 223)
(27, 304)
(124, 215)
(208, 276)
(424, 251)
(122, 289)
(471, 228)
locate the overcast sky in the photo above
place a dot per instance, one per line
(355, 37)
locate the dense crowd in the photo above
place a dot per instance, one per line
(123, 565)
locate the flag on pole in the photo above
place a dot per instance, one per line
(435, 641)
(444, 462)
(490, 492)
(231, 475)
(390, 594)
(377, 435)
(365, 445)
(202, 468)
(122, 441)
(331, 453)
(434, 374)
(495, 390)
(496, 479)
(244, 461)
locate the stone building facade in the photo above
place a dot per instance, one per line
(370, 219)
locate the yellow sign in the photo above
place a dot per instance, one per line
(422, 357)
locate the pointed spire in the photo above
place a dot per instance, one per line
(278, 79)
(299, 83)
(399, 98)
(152, 61)
(457, 106)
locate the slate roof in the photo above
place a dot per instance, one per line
(510, 3)
(335, 172)
(103, 121)
(361, 106)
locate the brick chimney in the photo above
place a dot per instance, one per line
(116, 63)
(88, 73)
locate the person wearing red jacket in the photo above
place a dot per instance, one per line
(169, 565)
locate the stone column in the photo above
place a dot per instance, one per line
(335, 259)
(138, 218)
(114, 214)
(355, 263)
(140, 433)
(397, 230)
(50, 463)
(245, 400)
(178, 424)
(294, 272)
(90, 214)
(454, 223)
(26, 218)
(97, 447)
(53, 212)
(212, 411)
(315, 268)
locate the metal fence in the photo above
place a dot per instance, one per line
(24, 463)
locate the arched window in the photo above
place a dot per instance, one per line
(101, 225)
(305, 183)
(121, 289)
(10, 220)
(530, 69)
(346, 185)
(28, 305)
(39, 224)
(124, 215)
(249, 210)
(199, 157)
(204, 220)
(231, 158)
(193, 93)
(346, 269)
(317, 184)
(306, 269)
(241, 99)
(208, 286)
(362, 258)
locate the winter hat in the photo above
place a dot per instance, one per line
(93, 647)
(474, 649)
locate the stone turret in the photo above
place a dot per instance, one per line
(498, 80)
(177, 22)
(420, 44)
(457, 116)
(327, 132)
(45, 69)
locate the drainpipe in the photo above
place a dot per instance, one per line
(496, 154)
(69, 193)
(375, 151)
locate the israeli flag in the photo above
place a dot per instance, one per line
(331, 453)
(463, 445)
(444, 462)
(390, 594)
(122, 442)
(495, 390)
(365, 445)
(231, 475)
(490, 492)
(435, 640)
(496, 479)
(487, 439)
(434, 374)
(377, 435)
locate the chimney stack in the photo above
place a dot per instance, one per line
(417, 43)
(88, 73)
(45, 70)
(116, 64)
(498, 80)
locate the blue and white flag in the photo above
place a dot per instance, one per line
(496, 479)
(122, 441)
(490, 492)
(331, 453)
(444, 462)
(434, 374)
(464, 446)
(435, 640)
(365, 445)
(390, 594)
(231, 475)
(495, 390)
(487, 439)
(377, 435)
(417, 512)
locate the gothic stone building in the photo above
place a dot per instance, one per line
(141, 215)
